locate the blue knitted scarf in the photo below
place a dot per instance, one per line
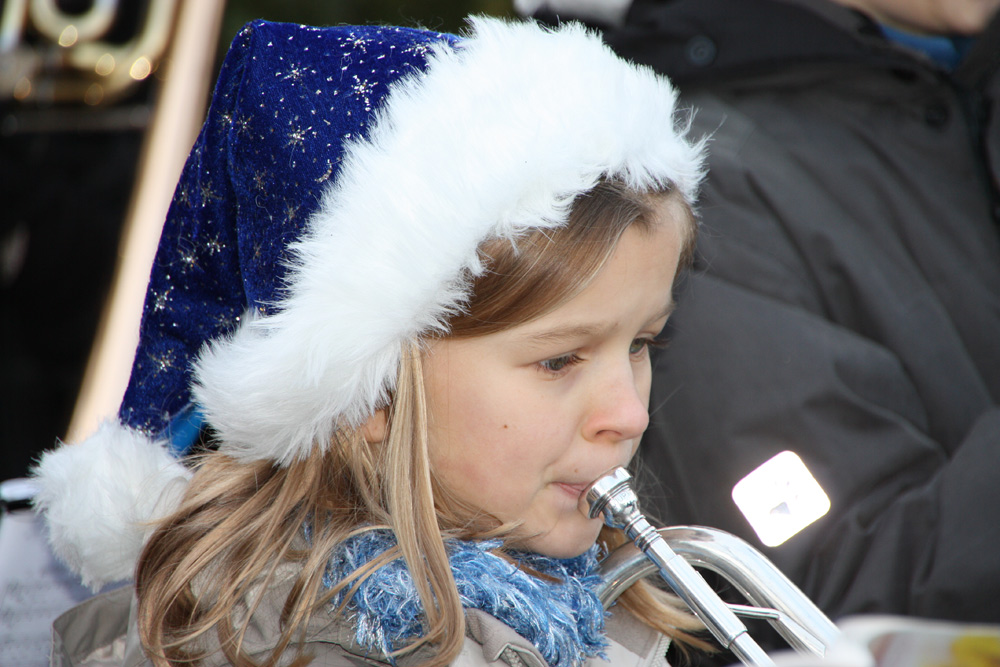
(562, 618)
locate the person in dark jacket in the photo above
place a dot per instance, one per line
(847, 303)
(846, 306)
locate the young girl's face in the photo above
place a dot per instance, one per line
(520, 421)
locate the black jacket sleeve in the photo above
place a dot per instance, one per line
(912, 529)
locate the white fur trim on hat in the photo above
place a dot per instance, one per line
(497, 137)
(99, 497)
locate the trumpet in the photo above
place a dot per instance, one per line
(674, 552)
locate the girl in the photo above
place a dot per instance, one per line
(406, 290)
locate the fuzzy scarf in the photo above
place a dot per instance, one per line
(562, 618)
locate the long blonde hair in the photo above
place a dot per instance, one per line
(240, 523)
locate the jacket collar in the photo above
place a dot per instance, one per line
(701, 41)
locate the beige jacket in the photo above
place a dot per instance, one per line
(101, 632)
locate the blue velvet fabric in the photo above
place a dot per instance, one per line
(287, 99)
(563, 618)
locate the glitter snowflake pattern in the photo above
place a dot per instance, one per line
(294, 73)
(161, 299)
(297, 138)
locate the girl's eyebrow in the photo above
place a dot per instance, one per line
(572, 331)
(559, 334)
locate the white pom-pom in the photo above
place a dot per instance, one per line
(99, 496)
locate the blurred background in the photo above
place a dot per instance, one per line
(100, 101)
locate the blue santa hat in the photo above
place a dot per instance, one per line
(329, 214)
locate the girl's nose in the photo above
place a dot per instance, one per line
(619, 407)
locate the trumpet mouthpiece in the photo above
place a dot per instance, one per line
(611, 495)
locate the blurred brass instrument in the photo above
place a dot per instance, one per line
(674, 551)
(72, 59)
(113, 65)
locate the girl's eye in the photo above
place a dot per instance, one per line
(640, 345)
(559, 364)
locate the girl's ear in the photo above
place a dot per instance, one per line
(374, 429)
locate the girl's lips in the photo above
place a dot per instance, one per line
(574, 490)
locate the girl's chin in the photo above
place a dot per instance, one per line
(566, 542)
